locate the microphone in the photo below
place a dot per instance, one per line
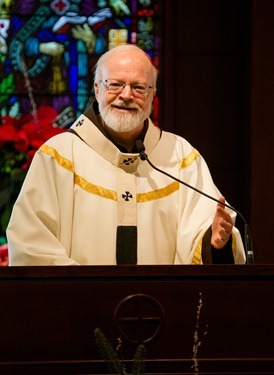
(248, 241)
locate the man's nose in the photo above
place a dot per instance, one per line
(127, 92)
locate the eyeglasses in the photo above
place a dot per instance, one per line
(115, 86)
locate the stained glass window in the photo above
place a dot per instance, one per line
(48, 50)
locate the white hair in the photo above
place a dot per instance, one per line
(121, 48)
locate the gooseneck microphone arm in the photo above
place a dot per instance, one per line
(248, 241)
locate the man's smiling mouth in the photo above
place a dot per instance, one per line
(124, 108)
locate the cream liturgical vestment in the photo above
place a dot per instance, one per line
(81, 188)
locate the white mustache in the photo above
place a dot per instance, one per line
(125, 105)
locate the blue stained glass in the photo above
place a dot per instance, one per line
(55, 44)
(127, 21)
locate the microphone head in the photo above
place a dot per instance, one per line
(140, 146)
(141, 149)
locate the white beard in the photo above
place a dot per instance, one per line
(122, 122)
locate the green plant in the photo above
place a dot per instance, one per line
(113, 362)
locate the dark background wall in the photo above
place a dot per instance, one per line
(216, 89)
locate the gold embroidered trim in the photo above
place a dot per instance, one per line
(234, 245)
(157, 194)
(67, 164)
(94, 189)
(197, 257)
(85, 185)
(189, 159)
(106, 193)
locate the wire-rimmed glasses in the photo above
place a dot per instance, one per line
(115, 86)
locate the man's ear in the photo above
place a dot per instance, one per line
(96, 88)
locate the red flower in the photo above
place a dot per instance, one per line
(4, 261)
(28, 133)
(40, 131)
(8, 132)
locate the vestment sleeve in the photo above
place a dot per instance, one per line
(210, 255)
(196, 216)
(39, 229)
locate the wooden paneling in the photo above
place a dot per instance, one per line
(48, 316)
(217, 73)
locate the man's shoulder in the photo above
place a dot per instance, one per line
(177, 140)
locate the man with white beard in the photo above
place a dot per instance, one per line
(89, 198)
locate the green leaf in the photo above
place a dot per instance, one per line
(108, 354)
(4, 196)
(138, 367)
(5, 217)
(6, 86)
(17, 174)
